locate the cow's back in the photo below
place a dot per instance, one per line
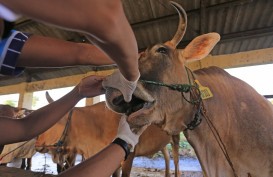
(95, 124)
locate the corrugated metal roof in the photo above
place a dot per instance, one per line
(243, 25)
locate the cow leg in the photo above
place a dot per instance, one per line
(1, 149)
(127, 165)
(166, 155)
(23, 165)
(59, 168)
(29, 163)
(67, 165)
(26, 164)
(175, 152)
(70, 161)
(65, 162)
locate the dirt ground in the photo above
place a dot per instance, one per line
(136, 172)
(151, 172)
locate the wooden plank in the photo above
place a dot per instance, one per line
(49, 84)
(250, 58)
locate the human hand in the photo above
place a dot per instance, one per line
(125, 133)
(91, 86)
(118, 81)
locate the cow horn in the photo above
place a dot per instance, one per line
(181, 26)
(48, 97)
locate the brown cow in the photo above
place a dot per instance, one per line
(94, 127)
(13, 112)
(235, 138)
(8, 111)
(19, 151)
(24, 150)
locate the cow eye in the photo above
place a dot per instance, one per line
(162, 50)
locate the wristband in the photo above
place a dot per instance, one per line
(124, 146)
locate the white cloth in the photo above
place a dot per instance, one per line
(15, 163)
(18, 150)
(7, 14)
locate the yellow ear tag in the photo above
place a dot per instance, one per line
(205, 91)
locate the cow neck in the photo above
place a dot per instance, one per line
(61, 141)
(197, 119)
(195, 95)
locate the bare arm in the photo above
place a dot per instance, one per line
(15, 130)
(58, 53)
(103, 164)
(103, 20)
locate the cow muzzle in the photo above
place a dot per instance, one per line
(142, 103)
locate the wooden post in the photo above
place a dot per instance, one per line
(25, 100)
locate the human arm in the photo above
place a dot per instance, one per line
(103, 164)
(16, 130)
(59, 53)
(103, 21)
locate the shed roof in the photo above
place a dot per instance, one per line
(244, 25)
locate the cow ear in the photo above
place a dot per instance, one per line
(200, 47)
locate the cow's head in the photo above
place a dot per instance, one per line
(163, 63)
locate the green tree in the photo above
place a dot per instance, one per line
(10, 102)
(35, 99)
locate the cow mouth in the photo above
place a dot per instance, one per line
(134, 107)
(141, 102)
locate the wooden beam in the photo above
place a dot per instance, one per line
(250, 58)
(50, 84)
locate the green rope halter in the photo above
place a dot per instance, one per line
(177, 87)
(183, 88)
